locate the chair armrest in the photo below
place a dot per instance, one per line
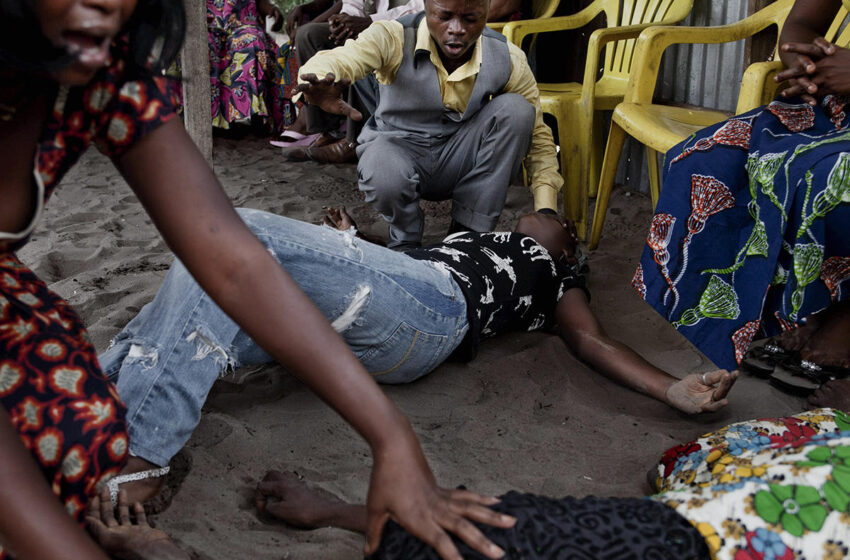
(516, 31)
(757, 85)
(654, 40)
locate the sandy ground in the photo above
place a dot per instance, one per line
(524, 415)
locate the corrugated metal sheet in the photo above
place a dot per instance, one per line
(704, 75)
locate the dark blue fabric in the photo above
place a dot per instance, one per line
(750, 234)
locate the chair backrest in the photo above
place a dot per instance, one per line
(618, 57)
(838, 32)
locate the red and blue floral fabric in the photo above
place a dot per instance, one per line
(768, 489)
(67, 413)
(749, 236)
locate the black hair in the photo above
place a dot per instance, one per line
(155, 30)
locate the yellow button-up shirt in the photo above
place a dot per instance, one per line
(380, 48)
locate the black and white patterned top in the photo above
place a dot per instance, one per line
(509, 280)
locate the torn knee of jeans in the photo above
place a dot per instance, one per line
(355, 306)
(145, 355)
(207, 347)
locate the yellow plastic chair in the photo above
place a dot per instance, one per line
(660, 127)
(539, 9)
(576, 106)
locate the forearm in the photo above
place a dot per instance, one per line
(621, 364)
(33, 522)
(317, 7)
(542, 160)
(807, 20)
(326, 15)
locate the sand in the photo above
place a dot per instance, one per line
(524, 415)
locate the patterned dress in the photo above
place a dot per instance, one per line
(769, 489)
(245, 75)
(67, 413)
(750, 232)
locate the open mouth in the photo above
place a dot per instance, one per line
(91, 48)
(454, 48)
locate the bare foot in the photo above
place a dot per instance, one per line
(286, 497)
(141, 490)
(130, 537)
(833, 394)
(156, 493)
(830, 345)
(795, 339)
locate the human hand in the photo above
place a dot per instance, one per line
(338, 218)
(267, 9)
(701, 392)
(802, 66)
(327, 94)
(292, 20)
(125, 538)
(831, 76)
(346, 26)
(403, 487)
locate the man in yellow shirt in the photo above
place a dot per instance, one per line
(458, 112)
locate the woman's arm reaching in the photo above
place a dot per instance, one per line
(198, 222)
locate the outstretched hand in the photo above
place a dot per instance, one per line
(701, 392)
(403, 488)
(327, 94)
(128, 537)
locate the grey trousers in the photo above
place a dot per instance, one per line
(473, 167)
(310, 39)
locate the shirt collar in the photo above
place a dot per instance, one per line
(425, 43)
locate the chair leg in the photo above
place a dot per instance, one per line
(596, 154)
(654, 179)
(573, 137)
(613, 149)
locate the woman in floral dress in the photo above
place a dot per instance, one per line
(244, 74)
(750, 233)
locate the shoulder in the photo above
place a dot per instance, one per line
(518, 57)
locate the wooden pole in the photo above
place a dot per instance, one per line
(196, 78)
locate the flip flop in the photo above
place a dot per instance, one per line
(763, 356)
(803, 377)
(299, 139)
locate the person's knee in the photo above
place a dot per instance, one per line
(384, 175)
(310, 38)
(515, 112)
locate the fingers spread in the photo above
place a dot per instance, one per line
(473, 497)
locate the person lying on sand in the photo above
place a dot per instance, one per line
(768, 488)
(401, 314)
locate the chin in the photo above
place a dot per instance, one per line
(74, 75)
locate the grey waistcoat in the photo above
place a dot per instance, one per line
(412, 104)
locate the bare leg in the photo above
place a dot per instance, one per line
(287, 498)
(834, 394)
(830, 345)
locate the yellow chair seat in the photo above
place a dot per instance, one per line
(663, 126)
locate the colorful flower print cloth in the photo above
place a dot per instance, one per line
(769, 489)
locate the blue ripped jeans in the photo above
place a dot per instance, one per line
(400, 316)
